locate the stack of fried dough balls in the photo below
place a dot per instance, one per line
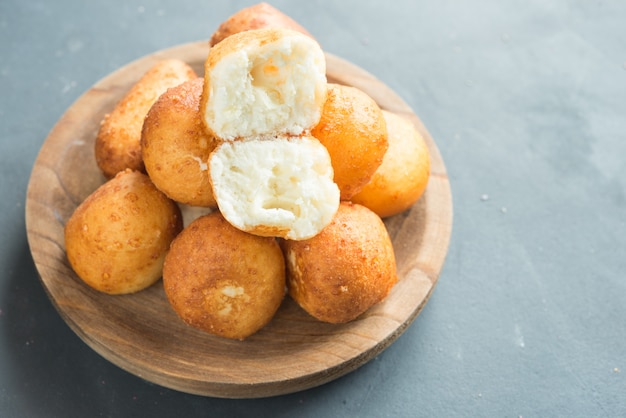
(294, 173)
(263, 92)
(117, 238)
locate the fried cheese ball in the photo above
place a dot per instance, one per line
(352, 128)
(176, 147)
(118, 144)
(402, 178)
(222, 280)
(263, 83)
(345, 269)
(259, 16)
(264, 90)
(117, 238)
(281, 187)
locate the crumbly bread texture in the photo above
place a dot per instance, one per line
(279, 187)
(258, 16)
(263, 82)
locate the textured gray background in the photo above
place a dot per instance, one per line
(526, 101)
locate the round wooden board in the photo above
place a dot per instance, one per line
(141, 333)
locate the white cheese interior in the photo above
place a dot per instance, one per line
(275, 88)
(280, 183)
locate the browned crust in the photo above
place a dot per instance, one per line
(353, 130)
(209, 255)
(110, 240)
(118, 143)
(345, 269)
(259, 16)
(174, 144)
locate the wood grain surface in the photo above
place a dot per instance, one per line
(141, 333)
